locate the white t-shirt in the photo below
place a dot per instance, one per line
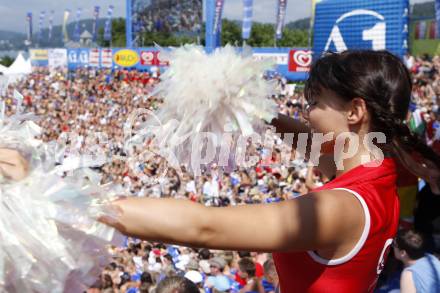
(207, 189)
(138, 263)
(409, 62)
(191, 187)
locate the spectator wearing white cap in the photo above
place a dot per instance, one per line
(193, 274)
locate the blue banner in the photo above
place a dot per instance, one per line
(95, 23)
(437, 17)
(108, 24)
(77, 31)
(247, 19)
(218, 17)
(361, 24)
(29, 28)
(281, 16)
(49, 37)
(78, 58)
(40, 25)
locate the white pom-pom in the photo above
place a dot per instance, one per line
(210, 93)
(50, 239)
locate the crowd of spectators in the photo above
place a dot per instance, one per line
(171, 16)
(91, 101)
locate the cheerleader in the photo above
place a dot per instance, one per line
(335, 238)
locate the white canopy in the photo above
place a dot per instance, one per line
(3, 68)
(19, 66)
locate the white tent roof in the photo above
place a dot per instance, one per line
(19, 66)
(86, 35)
(3, 68)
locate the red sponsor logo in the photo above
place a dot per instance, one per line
(152, 58)
(300, 60)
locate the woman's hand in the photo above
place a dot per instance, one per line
(13, 165)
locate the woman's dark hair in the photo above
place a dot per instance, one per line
(383, 82)
(176, 285)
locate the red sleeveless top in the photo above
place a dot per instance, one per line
(358, 271)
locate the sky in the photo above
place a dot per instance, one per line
(13, 12)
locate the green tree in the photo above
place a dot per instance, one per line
(231, 33)
(262, 35)
(294, 38)
(118, 34)
(165, 39)
(6, 61)
(100, 40)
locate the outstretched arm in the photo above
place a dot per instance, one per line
(319, 220)
(285, 124)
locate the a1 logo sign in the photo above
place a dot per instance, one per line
(73, 57)
(376, 34)
(84, 57)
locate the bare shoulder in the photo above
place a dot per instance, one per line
(341, 217)
(328, 219)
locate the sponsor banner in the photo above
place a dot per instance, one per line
(57, 58)
(421, 30)
(281, 16)
(39, 57)
(437, 18)
(218, 16)
(125, 58)
(38, 54)
(362, 24)
(280, 59)
(95, 23)
(152, 58)
(77, 32)
(432, 34)
(64, 28)
(40, 25)
(52, 13)
(78, 58)
(300, 60)
(94, 57)
(277, 58)
(29, 28)
(106, 58)
(247, 19)
(108, 24)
